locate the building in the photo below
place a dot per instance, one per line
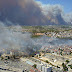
(6, 56)
(39, 67)
(44, 68)
(48, 69)
(14, 52)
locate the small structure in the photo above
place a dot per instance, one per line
(48, 69)
(39, 67)
(44, 68)
(6, 56)
(14, 52)
(37, 55)
(30, 63)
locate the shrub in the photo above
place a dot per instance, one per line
(39, 54)
(70, 66)
(47, 61)
(34, 65)
(2, 58)
(64, 67)
(67, 61)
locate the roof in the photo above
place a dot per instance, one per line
(30, 63)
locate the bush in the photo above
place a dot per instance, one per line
(39, 54)
(67, 61)
(64, 67)
(43, 51)
(70, 66)
(47, 61)
(8, 57)
(2, 58)
(32, 55)
(34, 65)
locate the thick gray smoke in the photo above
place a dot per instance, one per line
(13, 38)
(68, 17)
(55, 13)
(23, 12)
(30, 12)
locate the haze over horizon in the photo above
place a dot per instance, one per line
(36, 12)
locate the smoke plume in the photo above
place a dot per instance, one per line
(13, 38)
(31, 12)
(23, 12)
(55, 13)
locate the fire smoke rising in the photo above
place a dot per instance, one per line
(31, 12)
(10, 39)
(13, 38)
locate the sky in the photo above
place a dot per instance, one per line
(67, 4)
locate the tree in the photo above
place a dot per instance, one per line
(67, 61)
(70, 52)
(64, 67)
(61, 52)
(47, 61)
(2, 58)
(14, 56)
(39, 54)
(8, 57)
(62, 64)
(43, 51)
(34, 65)
(70, 66)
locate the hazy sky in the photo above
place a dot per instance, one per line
(67, 4)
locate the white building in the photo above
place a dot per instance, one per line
(39, 67)
(48, 69)
(44, 68)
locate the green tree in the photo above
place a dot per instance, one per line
(47, 61)
(64, 67)
(34, 65)
(70, 66)
(2, 58)
(39, 54)
(67, 61)
(8, 57)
